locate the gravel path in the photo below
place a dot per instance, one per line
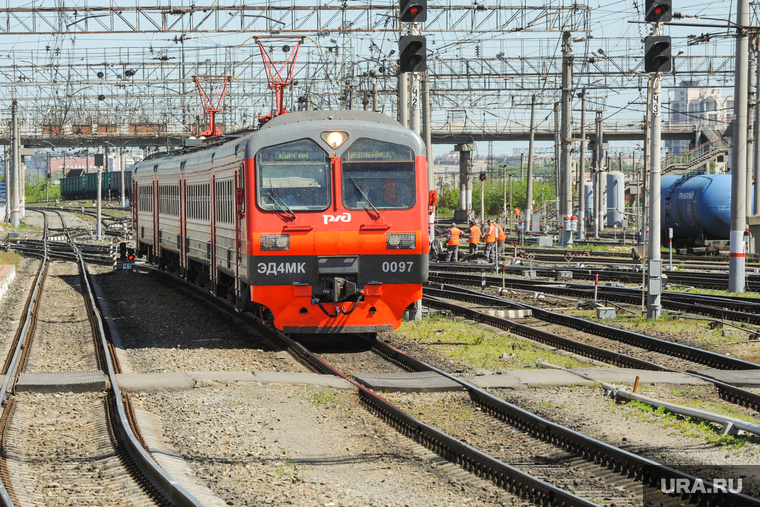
(166, 330)
(299, 445)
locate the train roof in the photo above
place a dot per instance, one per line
(341, 115)
(230, 148)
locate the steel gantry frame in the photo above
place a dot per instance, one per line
(298, 18)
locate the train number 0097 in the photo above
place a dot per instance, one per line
(397, 267)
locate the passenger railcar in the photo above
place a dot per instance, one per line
(318, 220)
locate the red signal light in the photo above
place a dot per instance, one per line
(414, 10)
(659, 10)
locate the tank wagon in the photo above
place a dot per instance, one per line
(317, 221)
(696, 206)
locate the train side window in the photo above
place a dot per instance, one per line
(293, 175)
(380, 172)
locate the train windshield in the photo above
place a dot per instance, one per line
(378, 175)
(293, 176)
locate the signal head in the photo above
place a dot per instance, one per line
(658, 11)
(413, 11)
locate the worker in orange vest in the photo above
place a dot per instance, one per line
(452, 243)
(474, 237)
(500, 235)
(490, 241)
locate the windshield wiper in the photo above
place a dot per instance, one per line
(274, 196)
(364, 195)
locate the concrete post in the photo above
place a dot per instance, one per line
(427, 116)
(559, 196)
(403, 99)
(15, 166)
(654, 284)
(529, 185)
(750, 132)
(522, 163)
(98, 231)
(736, 260)
(757, 126)
(582, 172)
(598, 153)
(414, 102)
(566, 135)
(465, 174)
(123, 166)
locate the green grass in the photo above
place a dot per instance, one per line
(686, 426)
(480, 347)
(8, 258)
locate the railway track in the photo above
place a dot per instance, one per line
(739, 309)
(691, 356)
(542, 480)
(705, 278)
(80, 446)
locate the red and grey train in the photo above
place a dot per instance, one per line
(318, 220)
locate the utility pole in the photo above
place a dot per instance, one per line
(123, 165)
(403, 99)
(522, 161)
(510, 202)
(598, 153)
(654, 285)
(426, 136)
(16, 163)
(98, 231)
(582, 172)
(750, 131)
(529, 184)
(414, 102)
(757, 125)
(736, 261)
(566, 134)
(557, 155)
(47, 179)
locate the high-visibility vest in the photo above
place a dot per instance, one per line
(491, 234)
(474, 234)
(454, 233)
(501, 236)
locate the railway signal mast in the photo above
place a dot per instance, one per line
(412, 49)
(657, 60)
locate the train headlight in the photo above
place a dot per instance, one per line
(401, 240)
(275, 242)
(335, 139)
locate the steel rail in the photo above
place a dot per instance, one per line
(726, 391)
(589, 448)
(147, 464)
(470, 459)
(465, 456)
(31, 310)
(621, 295)
(553, 340)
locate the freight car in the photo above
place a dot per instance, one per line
(80, 185)
(697, 207)
(116, 185)
(317, 221)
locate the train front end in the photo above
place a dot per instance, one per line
(337, 222)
